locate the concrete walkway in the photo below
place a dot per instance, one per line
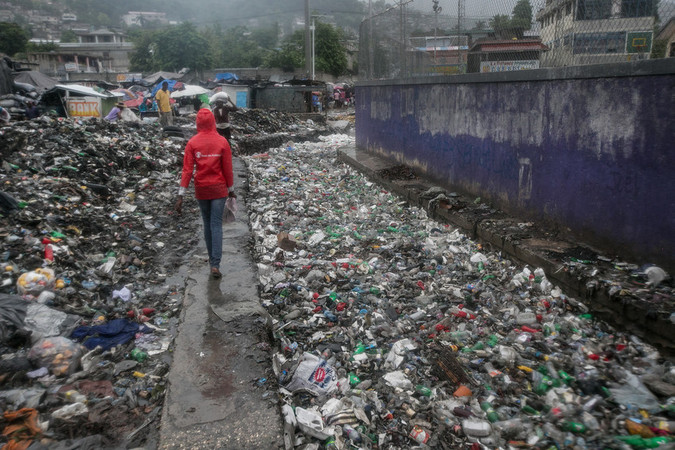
(213, 399)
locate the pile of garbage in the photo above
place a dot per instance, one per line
(396, 331)
(88, 308)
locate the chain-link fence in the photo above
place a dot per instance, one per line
(416, 38)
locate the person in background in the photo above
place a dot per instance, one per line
(197, 103)
(114, 113)
(316, 102)
(214, 180)
(4, 116)
(221, 111)
(163, 97)
(32, 111)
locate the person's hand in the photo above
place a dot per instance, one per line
(231, 194)
(179, 205)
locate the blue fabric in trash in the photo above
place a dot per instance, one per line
(111, 334)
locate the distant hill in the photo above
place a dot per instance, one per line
(345, 13)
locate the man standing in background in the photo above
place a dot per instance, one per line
(163, 101)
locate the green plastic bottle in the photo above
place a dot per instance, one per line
(566, 377)
(638, 442)
(477, 346)
(543, 386)
(492, 340)
(574, 427)
(529, 410)
(492, 415)
(425, 391)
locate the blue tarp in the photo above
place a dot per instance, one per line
(158, 86)
(227, 76)
(109, 335)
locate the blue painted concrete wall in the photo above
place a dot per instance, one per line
(592, 148)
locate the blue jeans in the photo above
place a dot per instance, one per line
(212, 216)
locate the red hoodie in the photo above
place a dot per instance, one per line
(213, 157)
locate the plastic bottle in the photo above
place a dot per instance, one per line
(425, 391)
(476, 428)
(490, 412)
(139, 355)
(526, 318)
(640, 442)
(574, 427)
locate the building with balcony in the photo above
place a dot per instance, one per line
(95, 52)
(579, 32)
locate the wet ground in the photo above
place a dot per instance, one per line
(218, 393)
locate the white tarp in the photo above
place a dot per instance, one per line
(190, 91)
(83, 90)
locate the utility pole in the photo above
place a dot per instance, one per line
(403, 45)
(308, 43)
(437, 11)
(460, 15)
(371, 51)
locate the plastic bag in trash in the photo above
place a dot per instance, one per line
(230, 210)
(35, 281)
(45, 322)
(59, 354)
(398, 379)
(124, 294)
(12, 315)
(633, 393)
(314, 375)
(70, 411)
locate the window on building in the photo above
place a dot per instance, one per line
(567, 40)
(594, 9)
(568, 9)
(638, 8)
(600, 43)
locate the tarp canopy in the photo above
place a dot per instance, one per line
(159, 76)
(41, 81)
(79, 90)
(189, 90)
(130, 99)
(226, 76)
(173, 85)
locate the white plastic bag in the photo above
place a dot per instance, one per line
(230, 210)
(314, 375)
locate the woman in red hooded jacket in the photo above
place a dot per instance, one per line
(211, 154)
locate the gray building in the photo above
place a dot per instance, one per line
(96, 52)
(579, 32)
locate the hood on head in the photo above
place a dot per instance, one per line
(205, 120)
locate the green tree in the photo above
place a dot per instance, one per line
(267, 37)
(171, 48)
(142, 58)
(291, 54)
(501, 24)
(331, 55)
(181, 46)
(68, 36)
(237, 47)
(13, 38)
(521, 18)
(41, 47)
(480, 25)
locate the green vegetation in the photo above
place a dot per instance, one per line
(515, 26)
(175, 47)
(13, 38)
